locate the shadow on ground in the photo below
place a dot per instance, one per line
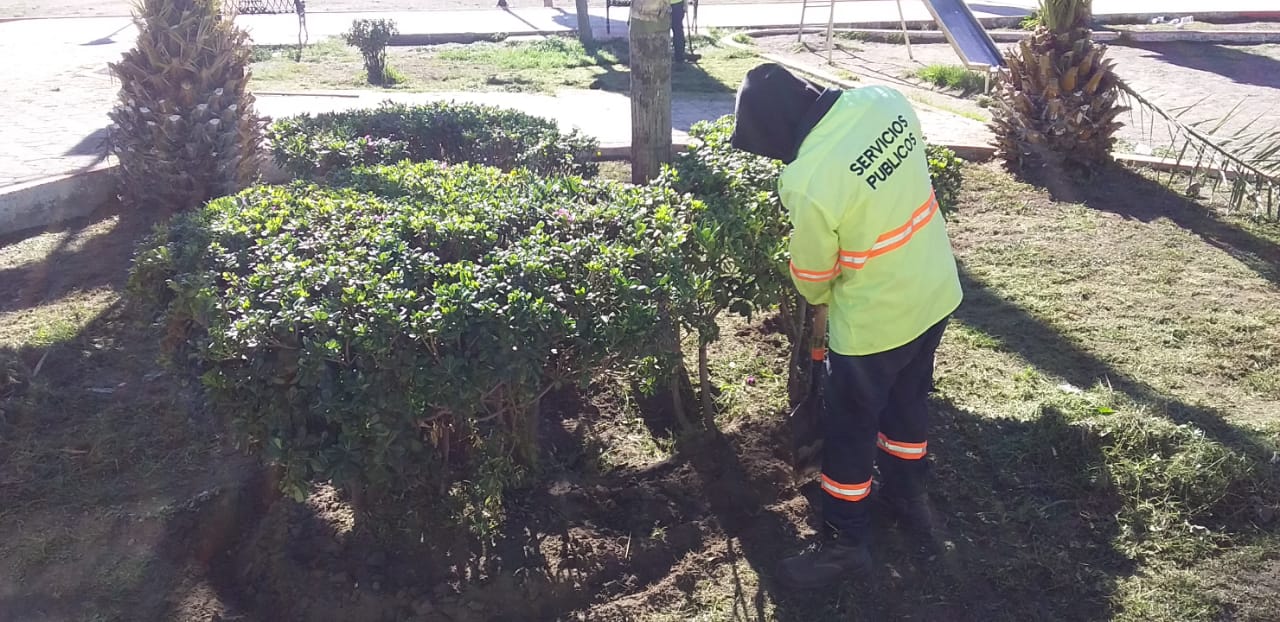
(94, 144)
(83, 259)
(115, 493)
(686, 78)
(1113, 190)
(1229, 62)
(1020, 332)
(610, 26)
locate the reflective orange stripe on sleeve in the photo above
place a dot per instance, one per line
(892, 240)
(814, 277)
(846, 492)
(898, 449)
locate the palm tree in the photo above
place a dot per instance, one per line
(1058, 102)
(184, 130)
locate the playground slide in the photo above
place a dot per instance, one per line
(966, 35)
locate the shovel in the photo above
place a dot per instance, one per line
(805, 420)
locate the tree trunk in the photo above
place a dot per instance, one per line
(798, 376)
(704, 382)
(584, 23)
(650, 38)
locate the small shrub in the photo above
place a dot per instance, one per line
(398, 343)
(1032, 21)
(735, 258)
(371, 37)
(944, 171)
(312, 147)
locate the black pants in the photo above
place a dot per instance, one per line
(677, 29)
(877, 413)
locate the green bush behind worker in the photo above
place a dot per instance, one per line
(868, 241)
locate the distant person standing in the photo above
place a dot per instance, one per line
(677, 33)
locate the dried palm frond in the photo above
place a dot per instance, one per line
(1241, 167)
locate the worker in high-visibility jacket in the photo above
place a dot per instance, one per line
(868, 241)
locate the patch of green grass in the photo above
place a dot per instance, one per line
(552, 53)
(952, 77)
(57, 322)
(851, 35)
(1032, 21)
(619, 170)
(1108, 377)
(542, 65)
(749, 370)
(845, 74)
(1169, 595)
(1265, 382)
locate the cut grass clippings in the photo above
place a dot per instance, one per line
(540, 65)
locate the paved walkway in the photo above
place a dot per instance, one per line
(602, 114)
(57, 91)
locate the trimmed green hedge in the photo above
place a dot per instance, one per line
(401, 343)
(312, 147)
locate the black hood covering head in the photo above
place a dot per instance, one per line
(775, 111)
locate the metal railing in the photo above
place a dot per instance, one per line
(261, 7)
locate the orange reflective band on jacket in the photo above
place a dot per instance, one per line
(815, 277)
(892, 240)
(846, 492)
(898, 449)
(886, 243)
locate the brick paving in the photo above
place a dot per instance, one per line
(55, 96)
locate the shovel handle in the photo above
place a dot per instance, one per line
(818, 340)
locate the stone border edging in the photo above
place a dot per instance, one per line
(51, 200)
(885, 35)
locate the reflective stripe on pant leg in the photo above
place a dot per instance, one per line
(900, 449)
(846, 492)
(904, 424)
(857, 393)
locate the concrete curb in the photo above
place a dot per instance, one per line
(1121, 36)
(52, 200)
(1230, 37)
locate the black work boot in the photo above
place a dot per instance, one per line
(912, 514)
(830, 561)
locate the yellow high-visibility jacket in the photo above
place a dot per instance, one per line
(868, 239)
